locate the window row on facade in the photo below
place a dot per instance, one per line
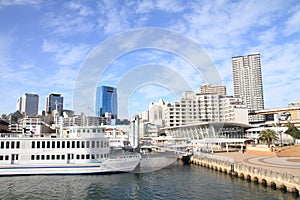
(68, 156)
(69, 144)
(9, 144)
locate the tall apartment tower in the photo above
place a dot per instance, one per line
(106, 101)
(53, 102)
(247, 81)
(29, 104)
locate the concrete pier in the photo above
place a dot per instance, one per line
(266, 177)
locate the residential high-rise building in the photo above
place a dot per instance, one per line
(29, 104)
(106, 101)
(53, 102)
(19, 104)
(194, 108)
(209, 89)
(247, 81)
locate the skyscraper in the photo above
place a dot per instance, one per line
(29, 104)
(247, 81)
(53, 102)
(106, 101)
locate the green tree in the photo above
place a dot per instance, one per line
(268, 135)
(292, 131)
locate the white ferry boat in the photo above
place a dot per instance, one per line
(85, 150)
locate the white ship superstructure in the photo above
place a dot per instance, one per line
(83, 150)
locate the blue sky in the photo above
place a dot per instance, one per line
(43, 44)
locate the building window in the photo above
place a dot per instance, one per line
(73, 144)
(18, 145)
(7, 145)
(43, 144)
(78, 144)
(68, 144)
(38, 144)
(33, 144)
(63, 144)
(48, 144)
(13, 144)
(58, 144)
(93, 144)
(53, 144)
(97, 144)
(82, 144)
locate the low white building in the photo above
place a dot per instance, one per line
(283, 138)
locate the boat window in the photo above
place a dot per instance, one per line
(68, 144)
(93, 144)
(82, 144)
(18, 144)
(2, 145)
(32, 157)
(7, 145)
(17, 156)
(77, 157)
(87, 130)
(43, 144)
(52, 157)
(53, 144)
(101, 144)
(101, 155)
(48, 157)
(38, 157)
(83, 130)
(93, 156)
(78, 144)
(57, 157)
(58, 144)
(88, 156)
(97, 156)
(42, 157)
(73, 144)
(62, 157)
(1, 157)
(48, 144)
(87, 144)
(97, 144)
(38, 144)
(13, 144)
(94, 130)
(82, 156)
(33, 144)
(63, 144)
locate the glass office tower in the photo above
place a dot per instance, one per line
(106, 101)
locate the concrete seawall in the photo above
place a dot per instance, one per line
(276, 180)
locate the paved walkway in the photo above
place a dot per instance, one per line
(290, 165)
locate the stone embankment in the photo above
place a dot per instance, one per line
(276, 180)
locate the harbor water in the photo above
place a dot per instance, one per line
(177, 181)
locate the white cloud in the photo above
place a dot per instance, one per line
(293, 23)
(19, 2)
(66, 54)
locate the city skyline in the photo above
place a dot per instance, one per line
(44, 55)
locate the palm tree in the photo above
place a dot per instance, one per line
(268, 135)
(292, 131)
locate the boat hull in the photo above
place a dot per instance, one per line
(109, 166)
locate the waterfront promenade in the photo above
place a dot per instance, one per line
(289, 165)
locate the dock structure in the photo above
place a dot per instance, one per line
(260, 174)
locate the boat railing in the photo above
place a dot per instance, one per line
(124, 156)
